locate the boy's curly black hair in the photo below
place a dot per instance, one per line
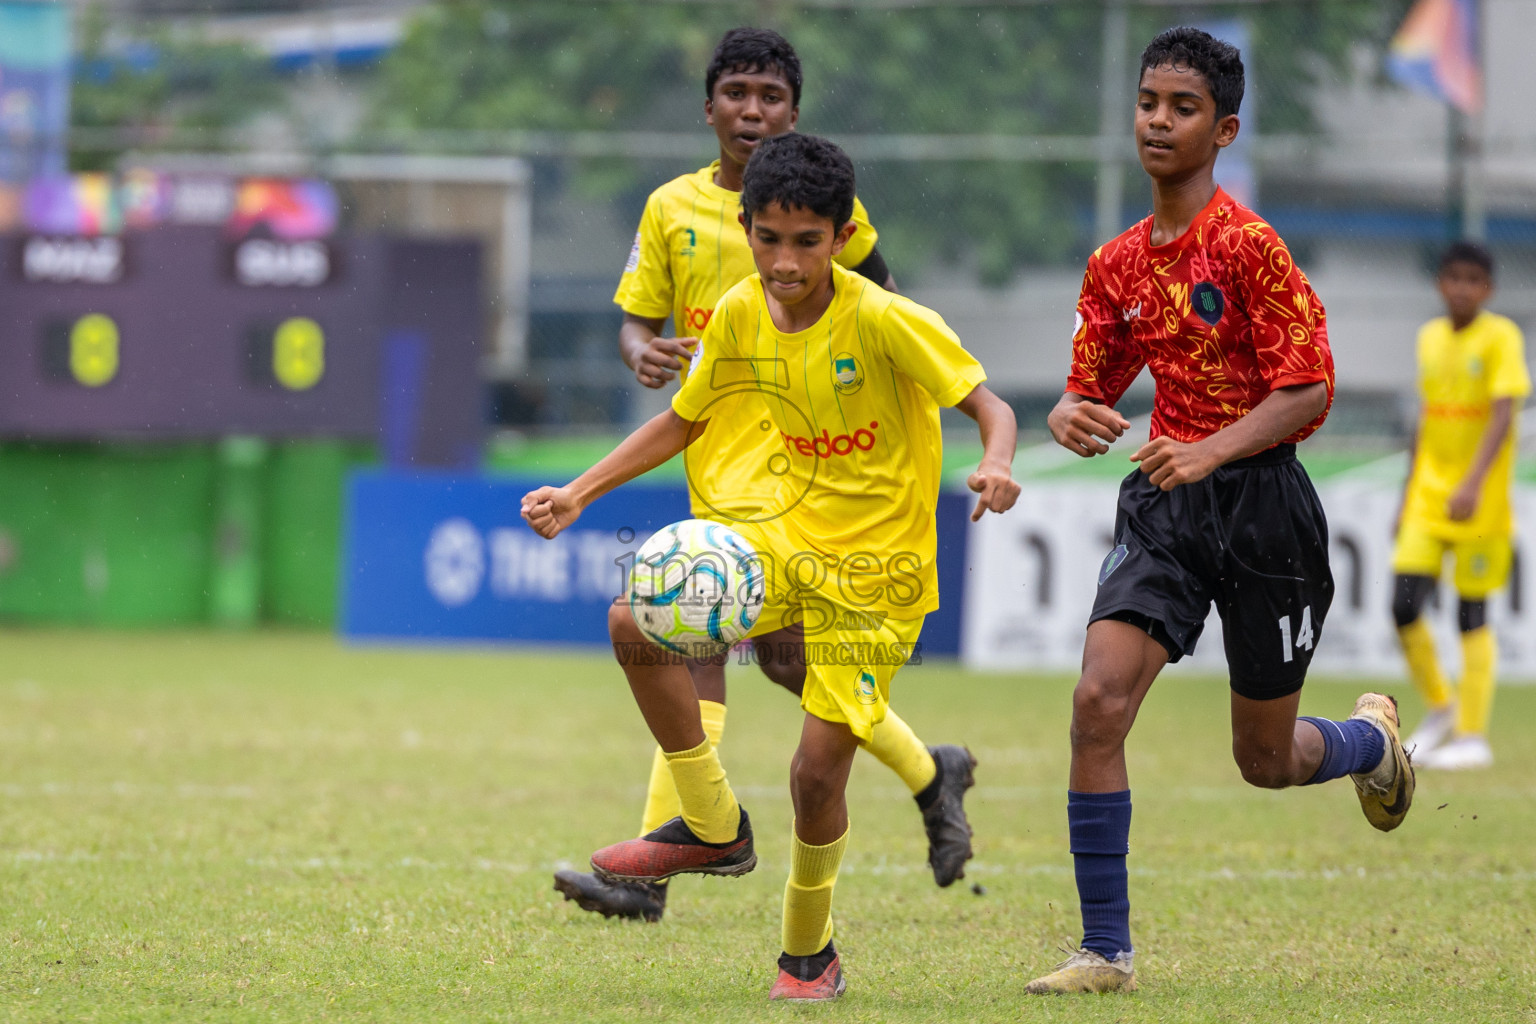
(1219, 63)
(802, 171)
(1467, 252)
(750, 51)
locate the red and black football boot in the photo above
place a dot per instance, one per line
(943, 807)
(809, 979)
(638, 901)
(673, 849)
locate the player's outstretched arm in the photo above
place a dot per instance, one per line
(551, 509)
(1083, 426)
(1402, 500)
(1464, 500)
(654, 359)
(1169, 463)
(993, 479)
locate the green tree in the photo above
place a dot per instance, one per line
(1007, 71)
(499, 65)
(492, 66)
(157, 88)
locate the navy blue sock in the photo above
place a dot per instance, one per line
(1349, 748)
(1100, 829)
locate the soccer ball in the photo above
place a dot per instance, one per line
(696, 588)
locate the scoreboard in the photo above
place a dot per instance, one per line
(185, 332)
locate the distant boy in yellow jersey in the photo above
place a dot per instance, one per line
(1472, 382)
(691, 248)
(851, 380)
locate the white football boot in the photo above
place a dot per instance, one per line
(1462, 753)
(1434, 730)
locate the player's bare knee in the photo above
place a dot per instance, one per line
(813, 797)
(1101, 708)
(1264, 769)
(1265, 775)
(788, 674)
(621, 626)
(812, 786)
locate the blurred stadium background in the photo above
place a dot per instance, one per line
(989, 138)
(521, 138)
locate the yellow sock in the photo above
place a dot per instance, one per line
(896, 746)
(708, 806)
(1479, 655)
(1419, 650)
(661, 804)
(808, 895)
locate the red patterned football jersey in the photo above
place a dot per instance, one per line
(1221, 315)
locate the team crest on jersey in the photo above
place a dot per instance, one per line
(865, 690)
(693, 240)
(1131, 313)
(1112, 561)
(845, 374)
(1208, 302)
(634, 255)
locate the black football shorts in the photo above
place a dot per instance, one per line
(1250, 537)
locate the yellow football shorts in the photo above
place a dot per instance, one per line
(1482, 565)
(850, 653)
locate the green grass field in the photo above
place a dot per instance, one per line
(198, 827)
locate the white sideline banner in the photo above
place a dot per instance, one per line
(1031, 577)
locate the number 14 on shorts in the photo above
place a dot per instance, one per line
(1303, 635)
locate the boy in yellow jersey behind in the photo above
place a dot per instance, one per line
(1472, 381)
(860, 455)
(689, 250)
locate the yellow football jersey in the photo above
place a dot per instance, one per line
(851, 406)
(1461, 374)
(690, 249)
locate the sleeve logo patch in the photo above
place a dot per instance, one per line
(634, 256)
(1077, 323)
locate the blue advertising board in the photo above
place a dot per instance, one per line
(434, 556)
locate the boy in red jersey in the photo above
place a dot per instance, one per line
(1205, 294)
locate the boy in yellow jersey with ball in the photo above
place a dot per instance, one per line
(689, 250)
(860, 455)
(1472, 381)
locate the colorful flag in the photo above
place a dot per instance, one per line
(1435, 52)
